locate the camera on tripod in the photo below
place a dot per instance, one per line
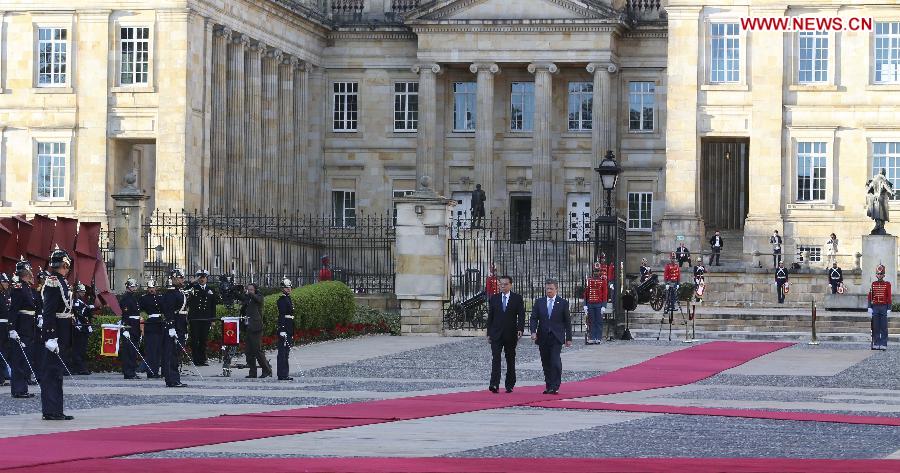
(230, 291)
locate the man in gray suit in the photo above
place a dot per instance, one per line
(551, 327)
(252, 309)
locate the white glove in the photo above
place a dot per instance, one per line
(91, 307)
(585, 309)
(126, 334)
(283, 334)
(172, 332)
(185, 335)
(52, 345)
(90, 329)
(40, 322)
(870, 311)
(13, 335)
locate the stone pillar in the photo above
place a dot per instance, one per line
(270, 116)
(234, 177)
(484, 134)
(604, 126)
(879, 249)
(316, 99)
(681, 215)
(254, 125)
(427, 138)
(548, 193)
(219, 130)
(423, 265)
(300, 199)
(209, 35)
(129, 217)
(286, 158)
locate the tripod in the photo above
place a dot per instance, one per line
(669, 310)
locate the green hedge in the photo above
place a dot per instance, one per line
(324, 305)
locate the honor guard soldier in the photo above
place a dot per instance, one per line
(775, 240)
(37, 352)
(699, 279)
(152, 304)
(174, 303)
(835, 278)
(325, 274)
(492, 285)
(781, 279)
(201, 314)
(596, 294)
(84, 318)
(880, 309)
(683, 255)
(131, 330)
(57, 334)
(5, 365)
(609, 271)
(672, 278)
(285, 330)
(22, 307)
(645, 269)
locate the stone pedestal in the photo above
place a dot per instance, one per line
(129, 215)
(422, 262)
(879, 249)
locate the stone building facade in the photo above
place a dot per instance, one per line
(338, 107)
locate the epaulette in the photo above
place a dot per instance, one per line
(51, 282)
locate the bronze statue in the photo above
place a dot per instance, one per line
(478, 198)
(879, 192)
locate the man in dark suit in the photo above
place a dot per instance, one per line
(253, 303)
(505, 325)
(550, 329)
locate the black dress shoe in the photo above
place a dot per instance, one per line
(509, 390)
(266, 375)
(250, 376)
(57, 417)
(176, 385)
(493, 389)
(285, 379)
(23, 396)
(546, 391)
(5, 383)
(554, 391)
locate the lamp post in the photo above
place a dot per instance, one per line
(609, 171)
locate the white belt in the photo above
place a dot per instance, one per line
(153, 316)
(289, 316)
(27, 312)
(182, 312)
(63, 315)
(4, 321)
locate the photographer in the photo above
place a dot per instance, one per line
(252, 309)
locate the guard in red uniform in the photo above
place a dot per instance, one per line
(325, 273)
(880, 309)
(609, 271)
(492, 285)
(596, 293)
(672, 278)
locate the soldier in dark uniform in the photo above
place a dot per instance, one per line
(57, 335)
(781, 278)
(645, 269)
(4, 329)
(131, 330)
(699, 279)
(880, 308)
(174, 304)
(37, 352)
(285, 330)
(84, 318)
(151, 304)
(22, 307)
(201, 313)
(835, 277)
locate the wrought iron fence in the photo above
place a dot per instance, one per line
(107, 253)
(265, 247)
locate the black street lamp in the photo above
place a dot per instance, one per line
(609, 171)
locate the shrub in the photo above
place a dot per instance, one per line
(384, 322)
(323, 305)
(685, 291)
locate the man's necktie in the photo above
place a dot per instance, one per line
(549, 308)
(504, 302)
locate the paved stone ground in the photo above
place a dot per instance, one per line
(845, 378)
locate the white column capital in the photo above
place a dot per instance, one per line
(433, 67)
(542, 66)
(240, 39)
(276, 54)
(491, 67)
(223, 31)
(596, 67)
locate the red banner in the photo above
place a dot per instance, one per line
(8, 244)
(231, 331)
(110, 345)
(64, 236)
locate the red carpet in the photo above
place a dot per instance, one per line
(712, 411)
(469, 465)
(673, 369)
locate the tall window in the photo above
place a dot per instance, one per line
(724, 53)
(343, 205)
(887, 52)
(813, 63)
(581, 105)
(52, 57)
(810, 171)
(521, 106)
(578, 208)
(815, 253)
(51, 171)
(406, 106)
(886, 155)
(135, 55)
(345, 105)
(398, 195)
(641, 104)
(640, 210)
(464, 106)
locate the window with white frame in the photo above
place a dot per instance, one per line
(53, 57)
(641, 105)
(398, 195)
(886, 155)
(815, 253)
(812, 49)
(134, 60)
(811, 168)
(51, 171)
(462, 213)
(521, 108)
(887, 52)
(345, 106)
(464, 94)
(581, 106)
(343, 205)
(724, 53)
(406, 106)
(640, 210)
(578, 208)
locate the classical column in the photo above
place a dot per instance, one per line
(484, 134)
(270, 116)
(254, 124)
(547, 180)
(427, 136)
(235, 151)
(286, 158)
(301, 198)
(219, 116)
(604, 125)
(209, 35)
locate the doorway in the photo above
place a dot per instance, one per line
(520, 218)
(724, 180)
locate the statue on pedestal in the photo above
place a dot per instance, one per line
(478, 199)
(879, 192)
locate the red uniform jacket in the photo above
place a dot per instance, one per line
(609, 270)
(597, 290)
(492, 286)
(672, 273)
(880, 294)
(325, 274)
